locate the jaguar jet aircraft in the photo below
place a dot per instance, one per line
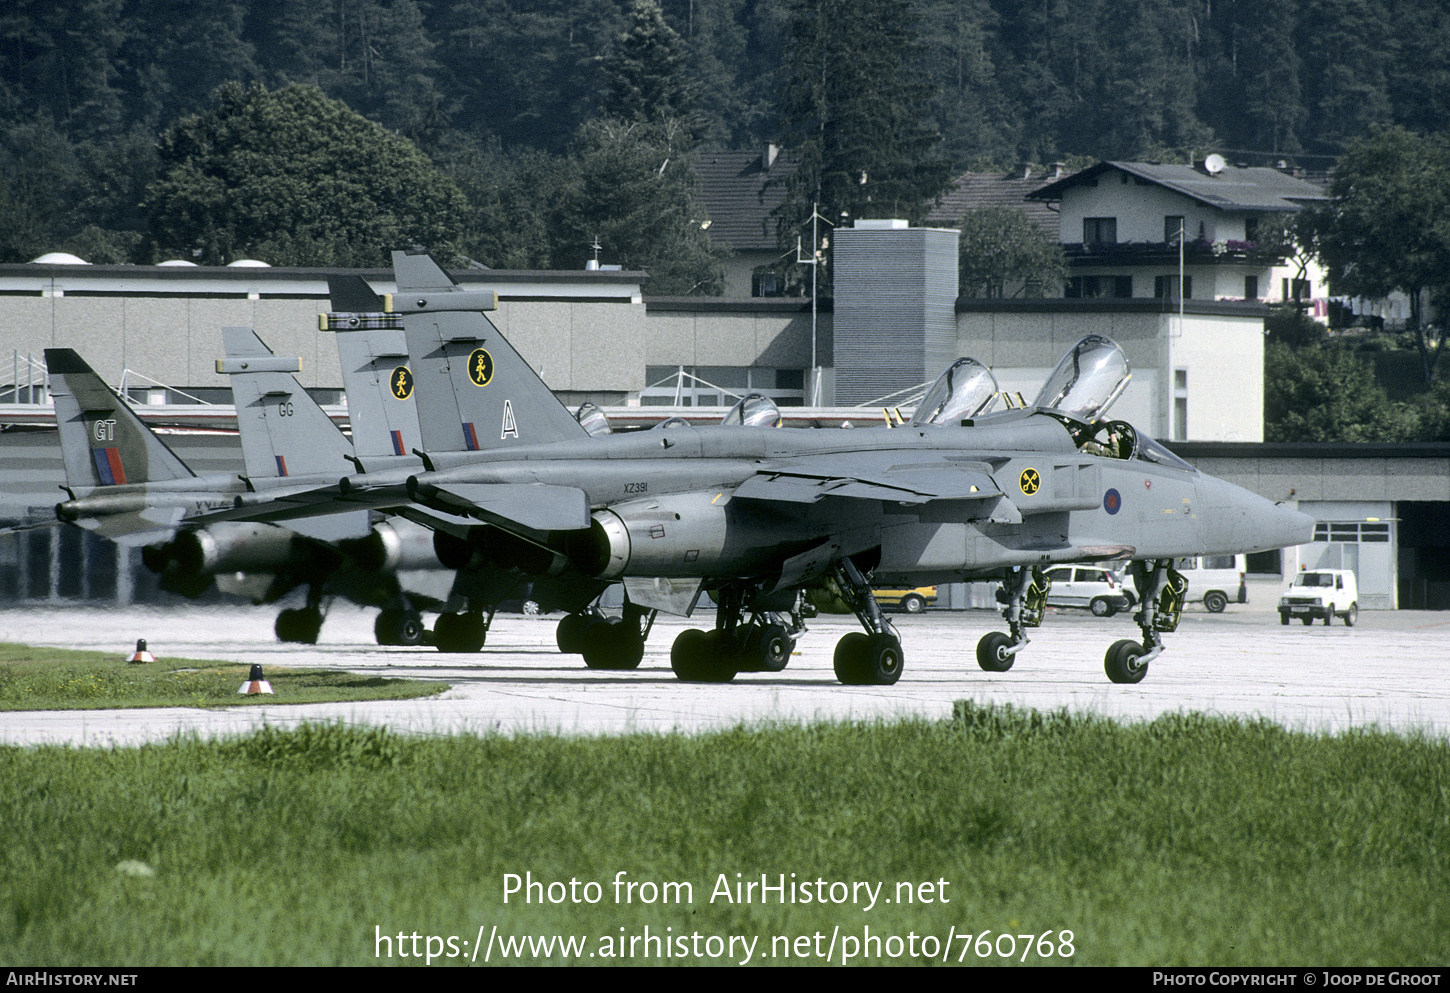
(126, 484)
(756, 516)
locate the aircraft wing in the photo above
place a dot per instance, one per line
(859, 476)
(536, 506)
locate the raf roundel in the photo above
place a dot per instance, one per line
(480, 367)
(1029, 480)
(1112, 501)
(400, 383)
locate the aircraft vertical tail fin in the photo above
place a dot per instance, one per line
(102, 440)
(375, 373)
(284, 432)
(476, 393)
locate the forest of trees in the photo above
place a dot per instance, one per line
(504, 96)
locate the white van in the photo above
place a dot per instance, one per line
(1214, 580)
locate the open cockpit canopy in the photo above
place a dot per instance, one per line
(1086, 381)
(753, 410)
(966, 389)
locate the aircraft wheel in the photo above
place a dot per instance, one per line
(1121, 662)
(1351, 615)
(1215, 601)
(992, 652)
(397, 627)
(884, 660)
(1101, 607)
(697, 657)
(850, 659)
(300, 626)
(570, 632)
(767, 649)
(611, 645)
(459, 633)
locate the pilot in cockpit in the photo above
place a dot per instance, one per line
(1109, 439)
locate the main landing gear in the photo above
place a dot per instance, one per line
(874, 658)
(399, 626)
(1024, 595)
(760, 643)
(463, 632)
(1161, 590)
(606, 642)
(301, 625)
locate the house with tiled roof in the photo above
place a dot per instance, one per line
(741, 191)
(978, 190)
(1122, 225)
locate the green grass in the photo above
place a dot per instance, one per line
(1183, 841)
(57, 679)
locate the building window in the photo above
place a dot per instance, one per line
(1173, 228)
(1100, 230)
(1122, 287)
(1251, 287)
(1251, 228)
(1358, 532)
(1163, 287)
(1180, 404)
(1298, 289)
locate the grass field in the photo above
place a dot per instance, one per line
(1187, 840)
(58, 679)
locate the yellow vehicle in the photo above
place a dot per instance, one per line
(912, 601)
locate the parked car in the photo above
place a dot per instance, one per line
(1325, 593)
(1215, 580)
(1097, 589)
(912, 601)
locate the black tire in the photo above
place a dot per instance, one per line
(300, 626)
(612, 645)
(1121, 662)
(991, 652)
(1215, 602)
(568, 635)
(460, 634)
(702, 657)
(1102, 607)
(1307, 619)
(396, 627)
(913, 604)
(768, 648)
(1351, 615)
(850, 661)
(884, 660)
(1283, 617)
(1329, 615)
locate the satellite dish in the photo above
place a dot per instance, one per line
(1214, 164)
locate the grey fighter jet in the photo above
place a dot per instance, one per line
(126, 484)
(755, 517)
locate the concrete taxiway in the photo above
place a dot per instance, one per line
(1387, 671)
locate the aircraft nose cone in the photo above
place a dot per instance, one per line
(1239, 521)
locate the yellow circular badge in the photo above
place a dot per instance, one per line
(401, 383)
(1029, 481)
(480, 367)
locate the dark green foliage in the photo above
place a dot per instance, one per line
(646, 70)
(1327, 393)
(1005, 253)
(294, 178)
(857, 115)
(1386, 227)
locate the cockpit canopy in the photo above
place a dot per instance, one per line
(593, 419)
(1087, 380)
(966, 389)
(753, 411)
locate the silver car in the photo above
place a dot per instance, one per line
(1099, 590)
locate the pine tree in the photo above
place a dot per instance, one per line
(857, 116)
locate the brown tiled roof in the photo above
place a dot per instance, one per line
(975, 190)
(740, 192)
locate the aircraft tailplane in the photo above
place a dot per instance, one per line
(102, 440)
(490, 397)
(284, 432)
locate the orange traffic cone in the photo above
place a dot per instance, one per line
(142, 655)
(255, 683)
